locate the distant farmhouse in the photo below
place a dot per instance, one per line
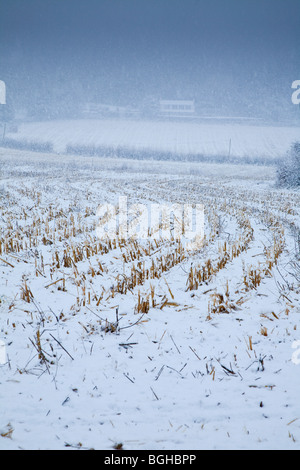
(96, 110)
(163, 108)
(177, 108)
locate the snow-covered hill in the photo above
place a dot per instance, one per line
(210, 139)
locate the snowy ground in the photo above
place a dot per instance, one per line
(211, 139)
(211, 365)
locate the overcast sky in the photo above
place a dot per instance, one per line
(137, 47)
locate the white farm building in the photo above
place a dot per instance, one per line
(177, 108)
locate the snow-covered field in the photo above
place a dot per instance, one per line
(147, 345)
(211, 139)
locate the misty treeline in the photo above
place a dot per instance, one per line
(44, 86)
(288, 172)
(64, 96)
(234, 58)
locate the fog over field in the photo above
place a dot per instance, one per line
(234, 58)
(149, 226)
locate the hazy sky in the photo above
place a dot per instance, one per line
(126, 48)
